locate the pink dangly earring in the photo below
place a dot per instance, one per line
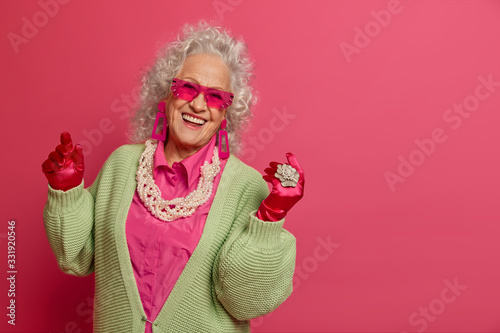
(160, 114)
(223, 133)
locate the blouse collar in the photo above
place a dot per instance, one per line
(189, 166)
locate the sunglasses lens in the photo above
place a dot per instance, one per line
(214, 99)
(186, 91)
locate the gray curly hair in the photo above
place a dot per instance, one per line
(204, 38)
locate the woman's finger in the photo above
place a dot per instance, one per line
(271, 179)
(66, 138)
(64, 150)
(292, 160)
(66, 145)
(77, 155)
(49, 166)
(56, 158)
(270, 171)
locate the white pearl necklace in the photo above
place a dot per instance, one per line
(170, 210)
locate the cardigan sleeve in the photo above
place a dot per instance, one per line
(254, 268)
(69, 225)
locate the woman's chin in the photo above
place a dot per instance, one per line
(190, 142)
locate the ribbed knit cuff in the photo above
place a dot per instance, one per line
(59, 201)
(265, 233)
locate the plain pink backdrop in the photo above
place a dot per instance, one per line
(350, 87)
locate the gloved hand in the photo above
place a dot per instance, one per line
(64, 167)
(281, 199)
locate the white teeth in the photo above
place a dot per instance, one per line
(193, 119)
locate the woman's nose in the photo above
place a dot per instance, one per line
(198, 103)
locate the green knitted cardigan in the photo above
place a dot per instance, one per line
(242, 267)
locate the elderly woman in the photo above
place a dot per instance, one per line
(182, 235)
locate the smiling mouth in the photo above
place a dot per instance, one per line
(192, 120)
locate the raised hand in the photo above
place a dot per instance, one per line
(64, 167)
(282, 198)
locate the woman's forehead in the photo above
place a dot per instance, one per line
(206, 69)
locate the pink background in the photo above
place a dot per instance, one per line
(349, 117)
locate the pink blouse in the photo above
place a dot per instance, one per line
(159, 250)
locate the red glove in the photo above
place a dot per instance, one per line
(64, 167)
(281, 199)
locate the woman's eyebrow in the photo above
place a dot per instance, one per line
(196, 81)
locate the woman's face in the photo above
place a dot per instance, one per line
(207, 70)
